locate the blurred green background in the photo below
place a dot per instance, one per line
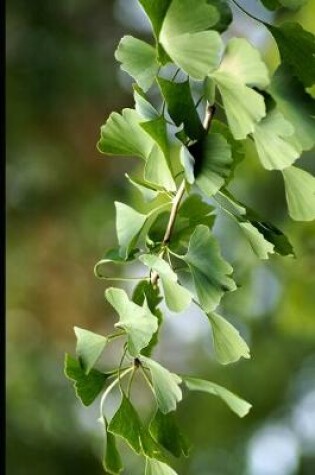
(62, 83)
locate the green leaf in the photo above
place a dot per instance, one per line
(165, 385)
(165, 431)
(87, 387)
(148, 192)
(138, 322)
(297, 49)
(158, 167)
(235, 403)
(241, 69)
(129, 224)
(177, 298)
(138, 59)
(111, 461)
(213, 162)
(156, 12)
(181, 107)
(272, 140)
(261, 247)
(142, 104)
(300, 193)
(296, 106)
(209, 270)
(291, 4)
(182, 35)
(90, 346)
(247, 219)
(127, 425)
(144, 291)
(112, 256)
(123, 135)
(228, 344)
(155, 467)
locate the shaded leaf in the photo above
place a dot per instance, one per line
(127, 425)
(209, 270)
(291, 4)
(138, 321)
(142, 104)
(228, 344)
(89, 348)
(261, 246)
(181, 107)
(235, 403)
(87, 387)
(138, 59)
(297, 49)
(225, 12)
(296, 106)
(165, 385)
(112, 463)
(165, 431)
(300, 193)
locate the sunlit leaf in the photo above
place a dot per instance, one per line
(165, 385)
(155, 467)
(235, 403)
(89, 348)
(148, 192)
(129, 224)
(138, 59)
(228, 344)
(87, 386)
(300, 193)
(261, 247)
(142, 104)
(138, 322)
(272, 140)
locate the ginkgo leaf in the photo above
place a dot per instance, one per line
(128, 135)
(184, 38)
(271, 137)
(235, 403)
(241, 69)
(156, 12)
(138, 322)
(112, 463)
(89, 348)
(261, 247)
(155, 467)
(165, 385)
(244, 107)
(300, 193)
(177, 298)
(142, 104)
(297, 49)
(209, 270)
(87, 386)
(165, 431)
(213, 161)
(181, 107)
(292, 4)
(242, 61)
(129, 224)
(296, 106)
(148, 192)
(225, 12)
(127, 425)
(228, 344)
(138, 59)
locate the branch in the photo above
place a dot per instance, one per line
(178, 198)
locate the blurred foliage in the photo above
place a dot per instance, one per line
(62, 82)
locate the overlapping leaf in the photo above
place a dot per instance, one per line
(138, 322)
(139, 60)
(228, 344)
(300, 193)
(165, 431)
(89, 348)
(111, 460)
(177, 298)
(235, 403)
(296, 106)
(165, 385)
(291, 4)
(155, 467)
(272, 139)
(241, 69)
(129, 224)
(87, 386)
(210, 272)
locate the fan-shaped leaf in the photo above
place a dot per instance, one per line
(300, 193)
(90, 346)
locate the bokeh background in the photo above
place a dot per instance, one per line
(62, 83)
